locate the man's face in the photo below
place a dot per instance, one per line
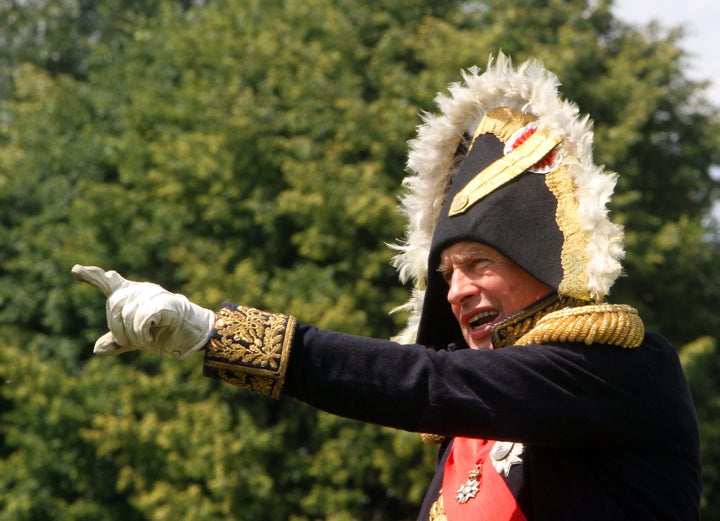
(485, 287)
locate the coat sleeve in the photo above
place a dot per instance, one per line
(569, 394)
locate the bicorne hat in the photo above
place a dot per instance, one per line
(507, 162)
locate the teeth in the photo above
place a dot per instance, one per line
(481, 317)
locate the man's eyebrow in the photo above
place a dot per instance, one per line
(443, 266)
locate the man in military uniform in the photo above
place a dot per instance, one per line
(547, 402)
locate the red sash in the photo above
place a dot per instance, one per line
(493, 500)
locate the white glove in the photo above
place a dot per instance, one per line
(143, 315)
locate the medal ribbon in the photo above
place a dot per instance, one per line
(493, 501)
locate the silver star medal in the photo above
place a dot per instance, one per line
(471, 487)
(505, 454)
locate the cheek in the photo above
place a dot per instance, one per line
(518, 296)
(507, 292)
(456, 310)
(513, 300)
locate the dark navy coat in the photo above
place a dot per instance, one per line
(609, 433)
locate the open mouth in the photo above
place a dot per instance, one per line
(483, 318)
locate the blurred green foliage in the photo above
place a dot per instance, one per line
(253, 151)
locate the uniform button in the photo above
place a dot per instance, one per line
(459, 203)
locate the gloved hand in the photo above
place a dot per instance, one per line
(143, 315)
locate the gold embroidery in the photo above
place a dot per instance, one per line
(509, 331)
(437, 510)
(611, 324)
(573, 257)
(503, 122)
(251, 349)
(432, 439)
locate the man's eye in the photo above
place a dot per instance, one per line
(479, 263)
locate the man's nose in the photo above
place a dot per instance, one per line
(461, 287)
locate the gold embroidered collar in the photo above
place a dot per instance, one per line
(556, 319)
(507, 332)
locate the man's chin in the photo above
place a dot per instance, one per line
(479, 343)
(479, 338)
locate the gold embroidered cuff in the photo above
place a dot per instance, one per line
(250, 349)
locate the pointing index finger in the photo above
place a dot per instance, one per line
(106, 281)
